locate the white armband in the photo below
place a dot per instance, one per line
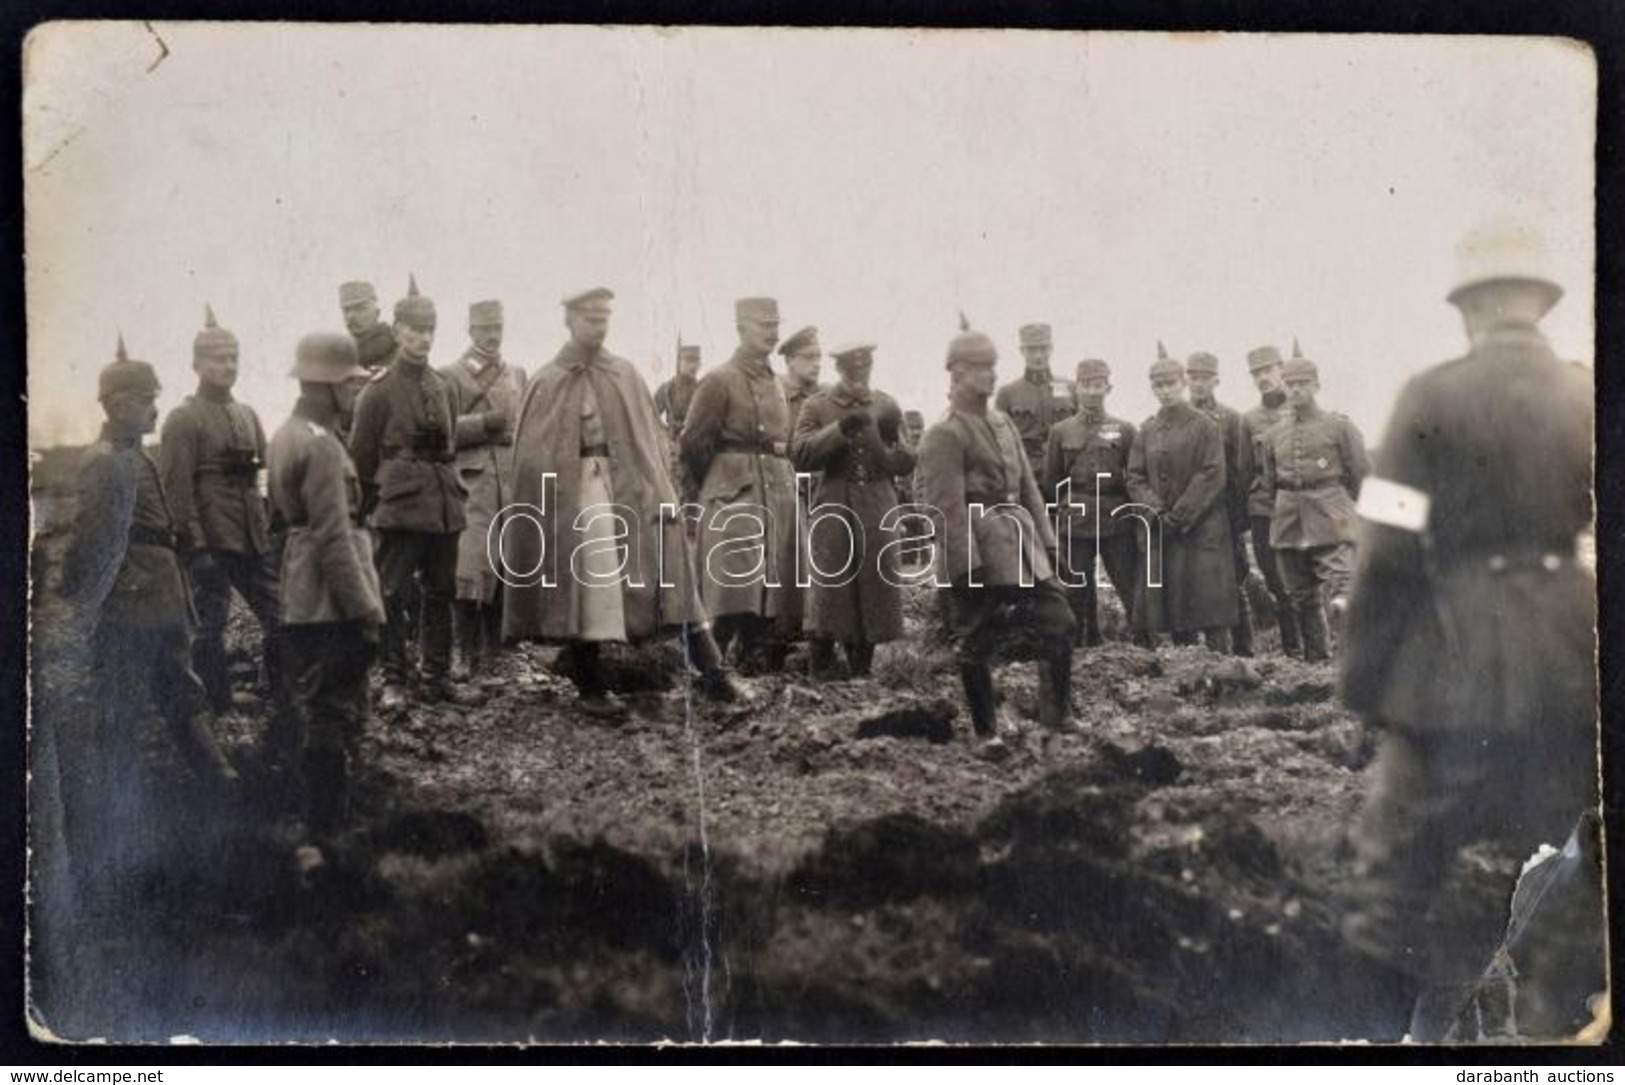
(1393, 504)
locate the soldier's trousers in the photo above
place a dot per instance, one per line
(254, 578)
(413, 564)
(1434, 793)
(1120, 556)
(327, 665)
(1306, 572)
(985, 616)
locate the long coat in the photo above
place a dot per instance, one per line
(975, 457)
(736, 440)
(210, 452)
(1177, 468)
(856, 489)
(484, 462)
(1475, 615)
(540, 598)
(121, 563)
(327, 569)
(416, 489)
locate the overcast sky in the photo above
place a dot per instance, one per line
(1211, 191)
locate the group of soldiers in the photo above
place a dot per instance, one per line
(421, 517)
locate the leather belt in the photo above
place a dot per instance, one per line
(152, 536)
(754, 448)
(1290, 485)
(600, 452)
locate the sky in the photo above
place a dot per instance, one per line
(1211, 191)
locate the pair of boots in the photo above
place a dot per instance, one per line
(714, 681)
(1286, 620)
(477, 632)
(1315, 632)
(823, 664)
(1054, 693)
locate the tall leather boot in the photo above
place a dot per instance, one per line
(1055, 692)
(1241, 634)
(465, 621)
(978, 680)
(1286, 619)
(860, 658)
(1312, 625)
(587, 669)
(716, 682)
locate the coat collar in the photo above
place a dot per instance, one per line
(753, 367)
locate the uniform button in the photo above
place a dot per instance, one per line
(1551, 563)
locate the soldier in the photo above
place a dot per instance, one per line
(673, 397)
(802, 362)
(402, 442)
(1313, 463)
(489, 390)
(123, 578)
(1090, 450)
(852, 436)
(1264, 364)
(995, 539)
(1471, 641)
(1202, 375)
(1036, 401)
(587, 439)
(735, 442)
(1176, 468)
(211, 451)
(331, 603)
(374, 340)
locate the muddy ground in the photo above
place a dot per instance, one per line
(841, 864)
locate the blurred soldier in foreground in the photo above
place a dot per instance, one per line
(489, 391)
(803, 361)
(994, 543)
(1264, 365)
(735, 443)
(330, 599)
(211, 452)
(122, 576)
(673, 397)
(1471, 638)
(1176, 468)
(1036, 401)
(601, 554)
(1314, 461)
(1091, 450)
(1202, 374)
(852, 436)
(402, 442)
(374, 340)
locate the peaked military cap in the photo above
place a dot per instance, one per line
(326, 358)
(484, 312)
(756, 309)
(1262, 358)
(1203, 363)
(799, 340)
(213, 339)
(356, 292)
(851, 349)
(593, 300)
(1091, 368)
(414, 310)
(124, 374)
(1035, 335)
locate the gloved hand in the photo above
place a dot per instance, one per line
(853, 422)
(496, 422)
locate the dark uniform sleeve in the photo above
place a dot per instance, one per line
(702, 424)
(1356, 464)
(1266, 468)
(942, 489)
(101, 533)
(896, 457)
(470, 427)
(366, 432)
(1139, 478)
(177, 462)
(1055, 466)
(818, 438)
(324, 493)
(1241, 479)
(1037, 506)
(1206, 485)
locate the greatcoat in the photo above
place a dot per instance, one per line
(1177, 468)
(484, 462)
(855, 491)
(541, 597)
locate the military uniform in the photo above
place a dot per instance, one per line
(1176, 468)
(1260, 508)
(995, 561)
(403, 445)
(856, 488)
(797, 394)
(331, 601)
(1091, 449)
(1238, 470)
(122, 574)
(1313, 464)
(735, 442)
(672, 399)
(1471, 640)
(211, 451)
(1035, 403)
